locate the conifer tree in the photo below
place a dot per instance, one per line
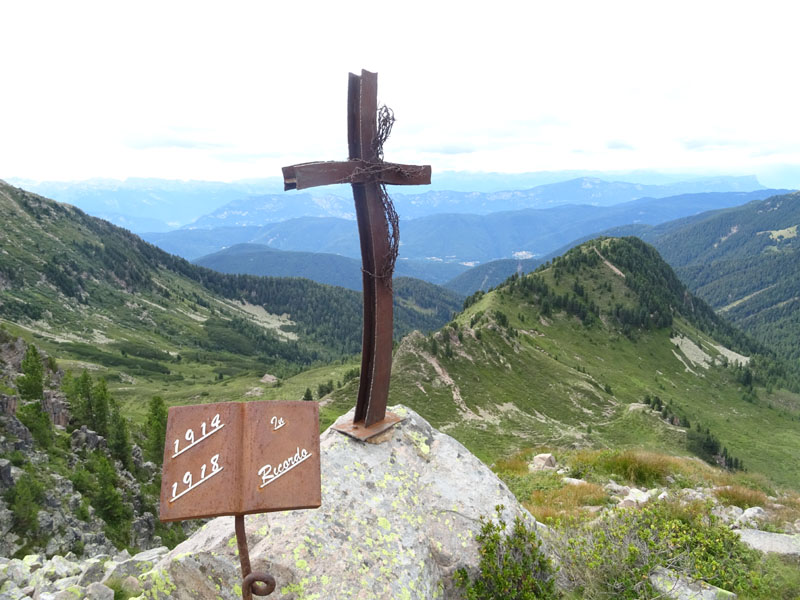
(31, 383)
(155, 430)
(119, 439)
(99, 403)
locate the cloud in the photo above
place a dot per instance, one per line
(709, 143)
(450, 149)
(247, 156)
(618, 145)
(173, 142)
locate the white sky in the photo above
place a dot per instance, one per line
(231, 90)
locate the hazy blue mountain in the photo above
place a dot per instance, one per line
(333, 269)
(640, 217)
(336, 201)
(171, 203)
(584, 190)
(160, 204)
(466, 181)
(456, 238)
(272, 208)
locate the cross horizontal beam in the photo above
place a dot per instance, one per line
(313, 174)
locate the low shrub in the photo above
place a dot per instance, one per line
(614, 556)
(512, 566)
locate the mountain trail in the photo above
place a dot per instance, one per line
(609, 265)
(448, 381)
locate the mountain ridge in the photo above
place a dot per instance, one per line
(566, 356)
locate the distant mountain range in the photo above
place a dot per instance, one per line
(333, 269)
(272, 208)
(455, 238)
(148, 204)
(158, 205)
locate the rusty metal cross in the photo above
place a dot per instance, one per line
(367, 172)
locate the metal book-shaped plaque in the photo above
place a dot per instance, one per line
(240, 458)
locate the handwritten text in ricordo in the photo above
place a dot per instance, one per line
(270, 473)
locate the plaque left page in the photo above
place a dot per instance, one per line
(202, 457)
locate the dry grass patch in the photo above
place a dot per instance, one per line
(637, 467)
(788, 512)
(516, 464)
(743, 497)
(565, 502)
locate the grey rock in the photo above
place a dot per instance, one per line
(97, 591)
(33, 561)
(727, 514)
(45, 521)
(573, 481)
(65, 583)
(142, 530)
(94, 569)
(6, 521)
(695, 495)
(765, 541)
(751, 517)
(69, 594)
(667, 582)
(135, 565)
(5, 473)
(150, 468)
(58, 567)
(16, 473)
(11, 591)
(541, 462)
(17, 572)
(398, 518)
(636, 496)
(17, 430)
(137, 457)
(612, 487)
(86, 438)
(131, 585)
(122, 555)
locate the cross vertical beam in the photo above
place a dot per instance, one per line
(376, 354)
(367, 172)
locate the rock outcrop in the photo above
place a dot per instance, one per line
(398, 518)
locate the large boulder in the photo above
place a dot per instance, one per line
(766, 541)
(398, 517)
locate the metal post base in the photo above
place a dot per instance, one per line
(360, 432)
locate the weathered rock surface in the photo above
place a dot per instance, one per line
(88, 439)
(666, 582)
(397, 519)
(766, 541)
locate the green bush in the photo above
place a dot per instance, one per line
(614, 557)
(38, 423)
(512, 566)
(24, 499)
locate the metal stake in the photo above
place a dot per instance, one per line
(260, 584)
